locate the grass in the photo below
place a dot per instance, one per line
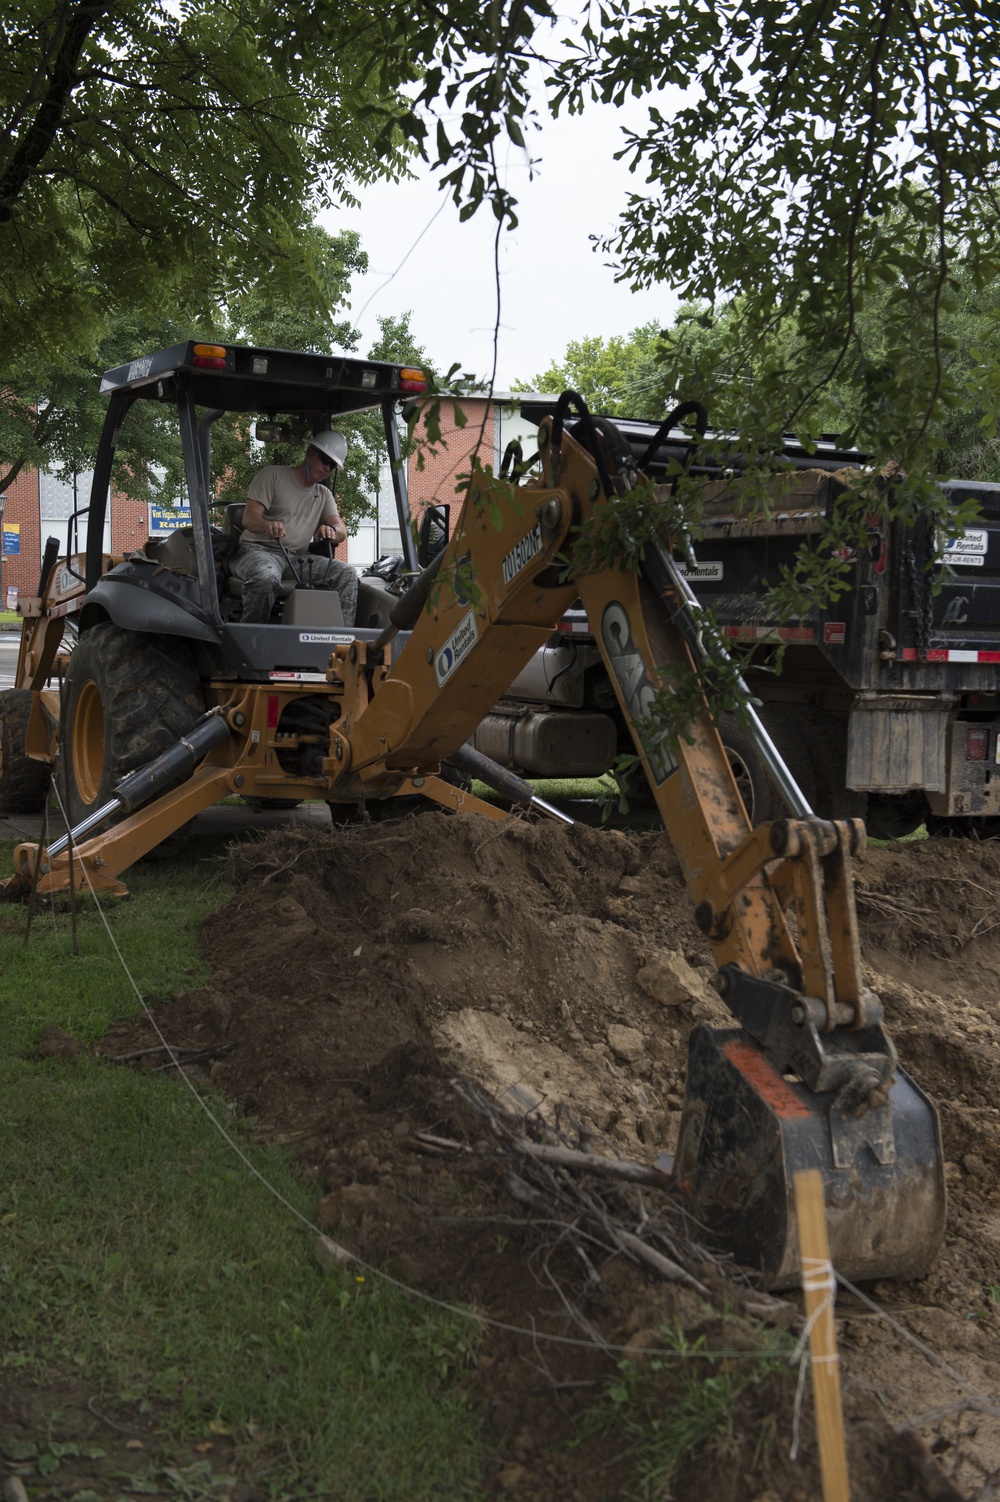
(155, 928)
(142, 1258)
(574, 787)
(556, 787)
(683, 1407)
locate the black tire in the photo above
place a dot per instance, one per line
(252, 801)
(127, 697)
(24, 784)
(760, 796)
(952, 827)
(893, 817)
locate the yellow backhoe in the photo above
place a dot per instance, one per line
(169, 702)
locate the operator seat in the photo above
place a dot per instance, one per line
(232, 525)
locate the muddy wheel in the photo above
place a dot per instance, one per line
(760, 796)
(24, 784)
(127, 697)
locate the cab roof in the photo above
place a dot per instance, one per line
(245, 378)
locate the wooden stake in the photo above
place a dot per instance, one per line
(819, 1287)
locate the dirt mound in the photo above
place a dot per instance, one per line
(357, 973)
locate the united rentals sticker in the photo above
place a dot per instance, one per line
(522, 553)
(459, 644)
(325, 636)
(702, 573)
(967, 551)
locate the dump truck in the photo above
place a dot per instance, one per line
(886, 703)
(169, 701)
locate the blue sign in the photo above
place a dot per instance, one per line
(11, 542)
(168, 518)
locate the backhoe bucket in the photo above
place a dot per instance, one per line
(747, 1130)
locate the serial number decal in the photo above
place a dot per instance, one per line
(325, 636)
(459, 644)
(139, 369)
(704, 573)
(639, 694)
(522, 552)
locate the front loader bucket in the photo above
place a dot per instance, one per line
(747, 1130)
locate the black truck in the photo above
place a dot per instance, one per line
(887, 702)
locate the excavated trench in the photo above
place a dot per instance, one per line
(356, 974)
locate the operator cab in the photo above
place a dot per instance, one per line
(222, 398)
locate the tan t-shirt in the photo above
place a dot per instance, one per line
(299, 508)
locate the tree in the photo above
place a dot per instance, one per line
(55, 423)
(704, 356)
(785, 146)
(160, 155)
(53, 418)
(617, 377)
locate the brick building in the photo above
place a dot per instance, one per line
(491, 424)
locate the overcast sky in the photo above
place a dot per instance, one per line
(554, 286)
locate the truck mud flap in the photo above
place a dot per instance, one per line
(747, 1130)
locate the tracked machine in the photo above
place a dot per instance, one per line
(168, 702)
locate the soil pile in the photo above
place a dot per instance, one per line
(357, 973)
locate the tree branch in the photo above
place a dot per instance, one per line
(41, 133)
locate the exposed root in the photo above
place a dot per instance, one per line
(598, 1201)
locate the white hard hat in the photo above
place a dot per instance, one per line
(333, 445)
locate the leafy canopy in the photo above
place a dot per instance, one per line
(164, 155)
(800, 159)
(55, 421)
(52, 417)
(619, 376)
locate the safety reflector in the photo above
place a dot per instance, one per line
(948, 654)
(272, 711)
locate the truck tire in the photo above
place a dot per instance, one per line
(895, 816)
(127, 697)
(24, 784)
(967, 827)
(761, 798)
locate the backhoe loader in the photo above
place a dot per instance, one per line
(169, 703)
